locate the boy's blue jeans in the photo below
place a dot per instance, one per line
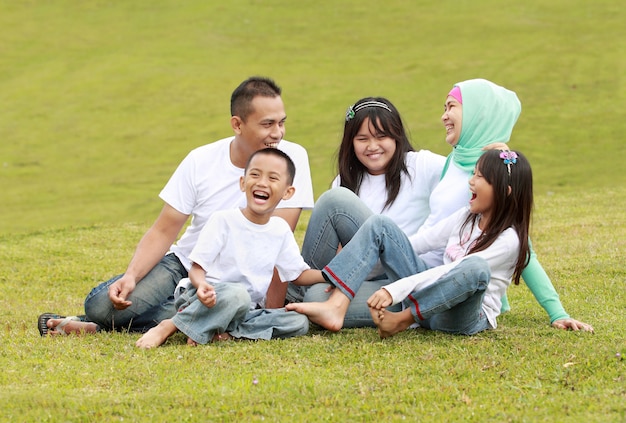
(232, 314)
(337, 216)
(152, 298)
(452, 304)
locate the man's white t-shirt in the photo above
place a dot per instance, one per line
(206, 181)
(231, 249)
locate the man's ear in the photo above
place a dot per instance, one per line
(289, 193)
(242, 187)
(235, 123)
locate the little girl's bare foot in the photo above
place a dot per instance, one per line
(157, 335)
(191, 342)
(390, 323)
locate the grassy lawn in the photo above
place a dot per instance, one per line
(100, 100)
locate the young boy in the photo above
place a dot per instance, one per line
(233, 262)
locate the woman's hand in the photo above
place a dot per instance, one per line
(572, 324)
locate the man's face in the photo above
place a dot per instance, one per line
(265, 126)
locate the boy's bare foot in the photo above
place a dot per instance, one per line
(329, 314)
(219, 337)
(157, 335)
(390, 323)
(191, 342)
(67, 325)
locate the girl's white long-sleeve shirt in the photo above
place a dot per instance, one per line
(501, 257)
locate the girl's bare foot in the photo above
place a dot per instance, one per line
(329, 314)
(157, 335)
(390, 323)
(69, 325)
(191, 342)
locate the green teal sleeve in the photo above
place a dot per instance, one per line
(541, 286)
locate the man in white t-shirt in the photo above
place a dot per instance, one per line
(207, 180)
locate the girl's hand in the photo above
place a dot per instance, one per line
(329, 288)
(206, 294)
(380, 299)
(572, 324)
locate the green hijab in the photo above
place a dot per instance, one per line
(489, 114)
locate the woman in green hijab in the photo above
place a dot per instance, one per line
(479, 114)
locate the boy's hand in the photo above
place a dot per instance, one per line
(206, 294)
(380, 299)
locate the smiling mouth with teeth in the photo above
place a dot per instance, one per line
(271, 145)
(260, 195)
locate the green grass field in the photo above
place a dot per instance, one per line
(100, 100)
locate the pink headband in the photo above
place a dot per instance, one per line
(456, 93)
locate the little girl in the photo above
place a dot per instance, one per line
(486, 245)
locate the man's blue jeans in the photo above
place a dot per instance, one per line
(152, 298)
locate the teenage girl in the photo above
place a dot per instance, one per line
(378, 173)
(486, 245)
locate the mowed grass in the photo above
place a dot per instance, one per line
(99, 101)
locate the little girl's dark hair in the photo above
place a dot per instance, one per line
(384, 121)
(509, 210)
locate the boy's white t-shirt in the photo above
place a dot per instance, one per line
(411, 207)
(501, 257)
(231, 249)
(206, 181)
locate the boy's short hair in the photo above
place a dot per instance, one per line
(270, 151)
(241, 99)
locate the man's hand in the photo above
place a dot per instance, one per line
(120, 290)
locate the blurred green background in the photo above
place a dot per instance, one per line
(100, 100)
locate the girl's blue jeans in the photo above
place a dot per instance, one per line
(452, 304)
(337, 216)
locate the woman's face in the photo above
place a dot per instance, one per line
(373, 149)
(452, 119)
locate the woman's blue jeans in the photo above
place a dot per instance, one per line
(336, 217)
(451, 304)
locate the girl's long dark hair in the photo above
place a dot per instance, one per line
(384, 122)
(509, 210)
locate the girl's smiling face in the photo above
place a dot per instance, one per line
(374, 150)
(452, 119)
(482, 201)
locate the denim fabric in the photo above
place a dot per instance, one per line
(201, 323)
(231, 314)
(152, 299)
(378, 238)
(452, 304)
(271, 324)
(336, 217)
